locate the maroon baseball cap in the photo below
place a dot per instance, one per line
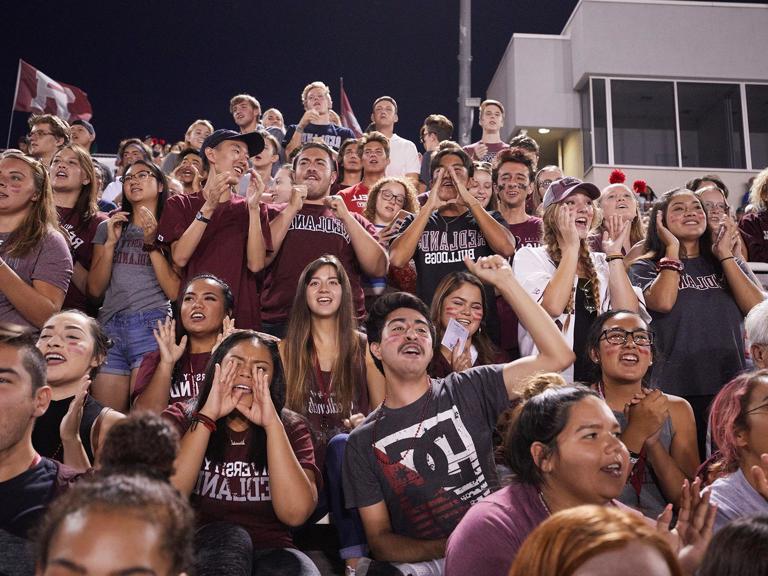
(560, 189)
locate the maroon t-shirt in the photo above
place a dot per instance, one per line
(236, 490)
(222, 249)
(314, 231)
(526, 233)
(187, 375)
(80, 241)
(355, 197)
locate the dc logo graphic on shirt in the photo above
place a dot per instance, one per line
(436, 475)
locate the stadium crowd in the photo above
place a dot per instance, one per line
(470, 363)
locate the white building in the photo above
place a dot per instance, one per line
(665, 90)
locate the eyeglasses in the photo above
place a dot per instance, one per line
(399, 200)
(757, 408)
(38, 134)
(140, 176)
(716, 207)
(619, 336)
(545, 183)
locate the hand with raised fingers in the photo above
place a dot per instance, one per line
(69, 429)
(616, 234)
(214, 189)
(261, 410)
(115, 226)
(493, 270)
(567, 233)
(668, 239)
(695, 524)
(165, 336)
(148, 224)
(222, 398)
(464, 193)
(434, 202)
(256, 188)
(461, 359)
(724, 238)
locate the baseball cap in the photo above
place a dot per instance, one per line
(253, 140)
(85, 124)
(560, 189)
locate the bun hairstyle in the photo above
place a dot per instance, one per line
(539, 418)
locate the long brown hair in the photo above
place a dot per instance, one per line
(41, 218)
(486, 351)
(87, 205)
(567, 540)
(299, 349)
(549, 241)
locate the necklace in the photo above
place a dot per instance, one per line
(589, 301)
(385, 459)
(544, 503)
(232, 441)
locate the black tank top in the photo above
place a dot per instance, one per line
(46, 438)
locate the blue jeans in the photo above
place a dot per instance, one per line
(347, 521)
(131, 335)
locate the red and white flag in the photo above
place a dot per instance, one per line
(347, 116)
(38, 93)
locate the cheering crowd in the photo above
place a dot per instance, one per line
(470, 363)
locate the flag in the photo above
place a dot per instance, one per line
(38, 93)
(347, 116)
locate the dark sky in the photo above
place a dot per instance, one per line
(153, 66)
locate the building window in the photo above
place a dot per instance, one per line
(711, 125)
(601, 121)
(644, 131)
(586, 128)
(757, 114)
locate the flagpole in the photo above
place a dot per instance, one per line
(15, 95)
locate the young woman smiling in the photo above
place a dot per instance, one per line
(174, 371)
(75, 425)
(135, 279)
(659, 430)
(698, 293)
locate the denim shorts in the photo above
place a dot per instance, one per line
(132, 338)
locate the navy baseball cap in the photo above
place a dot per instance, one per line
(560, 189)
(253, 140)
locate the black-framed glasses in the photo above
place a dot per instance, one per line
(387, 195)
(140, 176)
(38, 134)
(757, 408)
(619, 336)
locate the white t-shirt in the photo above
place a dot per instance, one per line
(403, 157)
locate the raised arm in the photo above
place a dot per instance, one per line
(101, 264)
(309, 117)
(498, 236)
(558, 292)
(370, 254)
(746, 293)
(280, 224)
(620, 290)
(156, 395)
(166, 276)
(661, 295)
(256, 250)
(554, 354)
(183, 249)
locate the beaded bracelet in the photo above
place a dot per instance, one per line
(205, 421)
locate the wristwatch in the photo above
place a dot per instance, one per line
(199, 217)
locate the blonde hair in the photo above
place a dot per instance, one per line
(759, 190)
(316, 84)
(549, 241)
(636, 230)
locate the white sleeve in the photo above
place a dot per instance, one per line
(532, 271)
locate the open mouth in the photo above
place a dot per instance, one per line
(463, 321)
(244, 387)
(61, 174)
(324, 300)
(54, 359)
(411, 350)
(581, 222)
(238, 170)
(612, 469)
(630, 358)
(197, 316)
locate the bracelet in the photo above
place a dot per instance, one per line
(634, 457)
(661, 267)
(727, 258)
(613, 257)
(150, 247)
(201, 218)
(205, 421)
(299, 129)
(669, 264)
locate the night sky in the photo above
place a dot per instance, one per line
(152, 67)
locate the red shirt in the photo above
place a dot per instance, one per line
(237, 491)
(314, 231)
(355, 197)
(222, 250)
(80, 241)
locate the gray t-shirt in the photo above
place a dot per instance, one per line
(133, 286)
(735, 498)
(700, 342)
(50, 262)
(431, 460)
